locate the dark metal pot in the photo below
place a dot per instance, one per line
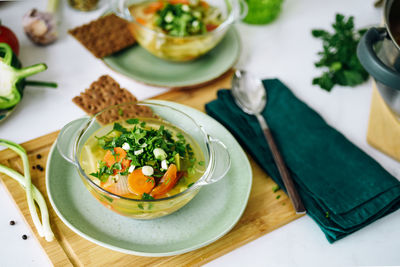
(379, 53)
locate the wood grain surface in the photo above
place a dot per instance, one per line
(263, 214)
(384, 127)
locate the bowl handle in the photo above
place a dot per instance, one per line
(370, 61)
(241, 8)
(119, 8)
(67, 138)
(221, 161)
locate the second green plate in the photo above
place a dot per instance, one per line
(138, 64)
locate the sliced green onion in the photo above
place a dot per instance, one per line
(160, 154)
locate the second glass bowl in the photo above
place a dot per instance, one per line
(185, 48)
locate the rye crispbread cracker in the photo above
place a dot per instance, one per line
(104, 36)
(106, 92)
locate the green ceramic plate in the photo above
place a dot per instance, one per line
(209, 216)
(138, 64)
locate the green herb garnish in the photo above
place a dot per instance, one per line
(124, 173)
(339, 56)
(275, 188)
(103, 172)
(146, 196)
(181, 20)
(150, 180)
(143, 141)
(109, 199)
(119, 127)
(278, 196)
(132, 121)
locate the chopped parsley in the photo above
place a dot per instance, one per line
(146, 196)
(109, 199)
(338, 57)
(103, 172)
(141, 141)
(275, 188)
(132, 121)
(181, 20)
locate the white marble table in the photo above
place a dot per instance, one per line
(284, 49)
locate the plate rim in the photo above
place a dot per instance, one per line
(7, 114)
(154, 254)
(177, 84)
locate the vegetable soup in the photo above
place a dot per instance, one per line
(142, 158)
(178, 17)
(177, 30)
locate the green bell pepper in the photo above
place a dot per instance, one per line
(12, 77)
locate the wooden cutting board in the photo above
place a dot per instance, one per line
(383, 127)
(263, 214)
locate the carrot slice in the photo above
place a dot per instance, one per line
(138, 183)
(110, 159)
(153, 7)
(119, 156)
(211, 27)
(204, 4)
(175, 2)
(167, 182)
(125, 163)
(141, 21)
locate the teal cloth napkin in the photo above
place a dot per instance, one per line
(343, 189)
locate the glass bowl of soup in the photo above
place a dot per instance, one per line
(143, 160)
(180, 30)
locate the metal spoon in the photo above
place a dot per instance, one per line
(251, 97)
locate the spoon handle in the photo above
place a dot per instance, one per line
(283, 171)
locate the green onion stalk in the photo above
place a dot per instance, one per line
(32, 193)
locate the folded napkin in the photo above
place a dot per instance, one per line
(343, 189)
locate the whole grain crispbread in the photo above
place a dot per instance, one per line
(106, 92)
(104, 36)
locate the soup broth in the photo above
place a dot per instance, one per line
(118, 155)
